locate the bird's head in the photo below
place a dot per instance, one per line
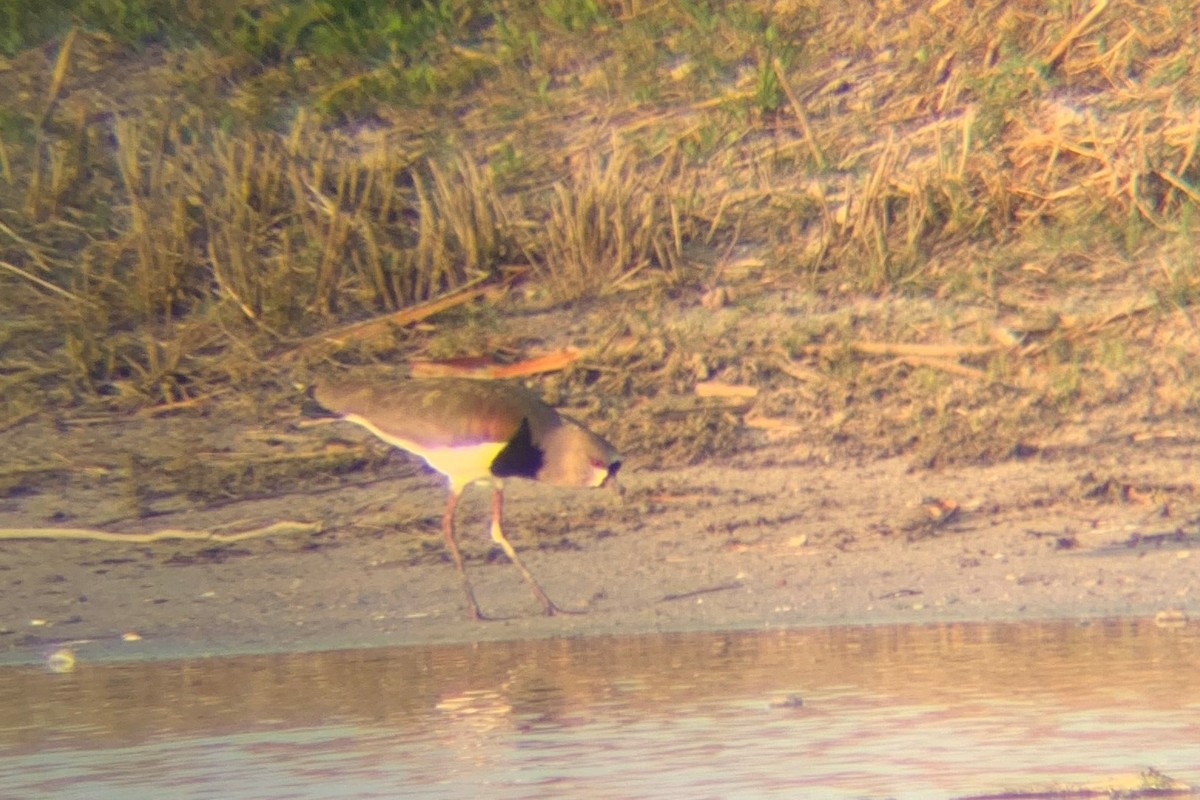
(574, 456)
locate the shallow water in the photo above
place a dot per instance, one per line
(936, 711)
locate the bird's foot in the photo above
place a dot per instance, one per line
(474, 613)
(552, 609)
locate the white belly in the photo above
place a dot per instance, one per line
(462, 465)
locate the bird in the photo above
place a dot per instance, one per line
(474, 430)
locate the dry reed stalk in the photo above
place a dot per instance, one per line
(50, 287)
(1056, 55)
(5, 163)
(809, 139)
(606, 225)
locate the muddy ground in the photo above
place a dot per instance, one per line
(768, 537)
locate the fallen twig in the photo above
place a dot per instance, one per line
(721, 587)
(179, 405)
(275, 529)
(953, 367)
(719, 389)
(917, 350)
(486, 368)
(370, 328)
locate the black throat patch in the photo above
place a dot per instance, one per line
(520, 457)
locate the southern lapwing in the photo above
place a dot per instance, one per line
(477, 430)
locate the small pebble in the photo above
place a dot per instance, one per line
(60, 661)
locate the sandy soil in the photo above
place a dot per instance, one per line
(769, 537)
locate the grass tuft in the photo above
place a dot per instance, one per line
(608, 222)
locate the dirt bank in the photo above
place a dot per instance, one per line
(768, 537)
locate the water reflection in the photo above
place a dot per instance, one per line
(888, 711)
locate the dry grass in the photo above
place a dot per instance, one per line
(608, 223)
(1033, 169)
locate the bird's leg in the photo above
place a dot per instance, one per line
(448, 532)
(499, 538)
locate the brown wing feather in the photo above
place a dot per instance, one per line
(440, 412)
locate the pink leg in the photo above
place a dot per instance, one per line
(448, 532)
(500, 539)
